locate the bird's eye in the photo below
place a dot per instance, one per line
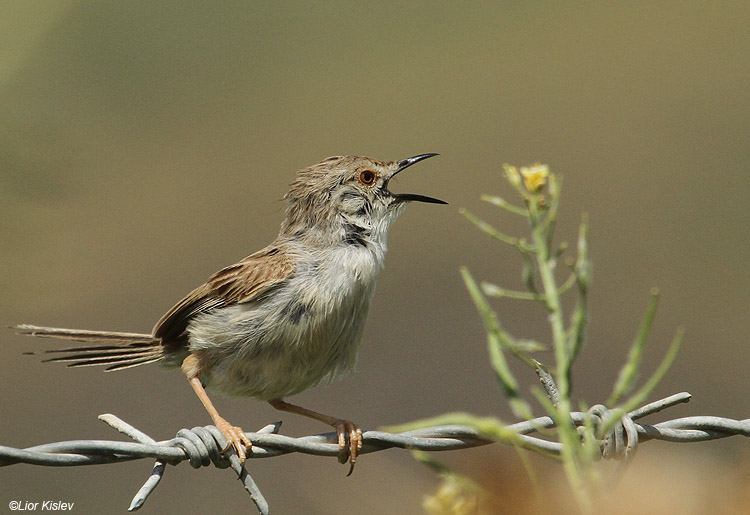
(367, 177)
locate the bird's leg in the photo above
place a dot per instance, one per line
(344, 429)
(234, 435)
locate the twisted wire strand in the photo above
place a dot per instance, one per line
(203, 446)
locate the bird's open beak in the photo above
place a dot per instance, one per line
(406, 163)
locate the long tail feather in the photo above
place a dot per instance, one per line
(131, 364)
(119, 350)
(83, 335)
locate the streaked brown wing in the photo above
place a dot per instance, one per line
(238, 283)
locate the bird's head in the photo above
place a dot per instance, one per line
(347, 198)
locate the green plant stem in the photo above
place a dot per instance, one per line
(552, 296)
(571, 448)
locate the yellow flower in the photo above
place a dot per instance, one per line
(535, 177)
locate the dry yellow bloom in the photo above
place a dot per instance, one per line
(535, 177)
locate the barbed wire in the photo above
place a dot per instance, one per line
(202, 446)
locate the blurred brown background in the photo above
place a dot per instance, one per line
(144, 145)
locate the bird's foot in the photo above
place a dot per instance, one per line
(348, 430)
(235, 438)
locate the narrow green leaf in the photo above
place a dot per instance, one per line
(488, 229)
(528, 275)
(488, 427)
(550, 220)
(641, 395)
(582, 273)
(502, 203)
(493, 290)
(629, 371)
(583, 262)
(497, 339)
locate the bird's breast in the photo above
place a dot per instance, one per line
(304, 331)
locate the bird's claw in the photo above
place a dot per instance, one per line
(348, 430)
(236, 438)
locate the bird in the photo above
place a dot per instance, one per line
(283, 319)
